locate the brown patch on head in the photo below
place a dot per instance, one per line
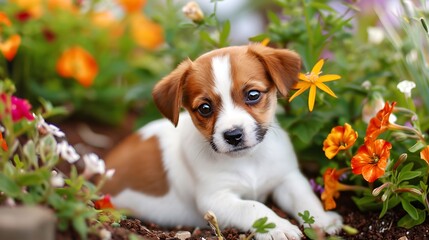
(138, 165)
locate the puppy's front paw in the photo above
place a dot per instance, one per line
(330, 222)
(284, 230)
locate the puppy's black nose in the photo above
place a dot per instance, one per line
(234, 136)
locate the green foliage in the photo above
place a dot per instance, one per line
(29, 173)
(262, 225)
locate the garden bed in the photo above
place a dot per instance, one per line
(368, 224)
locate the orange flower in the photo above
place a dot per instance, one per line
(3, 143)
(424, 154)
(332, 187)
(77, 63)
(107, 21)
(131, 6)
(4, 20)
(146, 33)
(9, 48)
(340, 138)
(103, 203)
(380, 123)
(371, 159)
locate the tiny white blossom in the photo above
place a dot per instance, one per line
(105, 234)
(110, 173)
(405, 87)
(366, 85)
(93, 165)
(375, 35)
(67, 152)
(56, 179)
(49, 128)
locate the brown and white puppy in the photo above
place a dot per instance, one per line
(226, 153)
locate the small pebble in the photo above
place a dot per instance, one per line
(182, 235)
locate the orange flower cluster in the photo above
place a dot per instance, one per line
(9, 46)
(370, 160)
(3, 143)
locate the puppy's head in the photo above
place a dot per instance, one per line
(230, 93)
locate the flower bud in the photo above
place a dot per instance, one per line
(193, 11)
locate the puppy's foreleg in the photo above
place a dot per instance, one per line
(232, 211)
(295, 195)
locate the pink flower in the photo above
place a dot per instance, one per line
(20, 108)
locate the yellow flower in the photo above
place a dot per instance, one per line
(312, 80)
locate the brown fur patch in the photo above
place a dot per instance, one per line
(138, 165)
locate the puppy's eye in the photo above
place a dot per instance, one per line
(205, 110)
(253, 97)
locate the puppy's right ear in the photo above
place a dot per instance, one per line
(167, 93)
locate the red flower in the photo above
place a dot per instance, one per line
(3, 143)
(20, 108)
(23, 16)
(103, 203)
(380, 122)
(371, 159)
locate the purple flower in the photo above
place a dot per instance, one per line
(316, 187)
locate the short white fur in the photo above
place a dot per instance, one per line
(230, 114)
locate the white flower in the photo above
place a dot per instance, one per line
(366, 85)
(67, 152)
(405, 87)
(105, 234)
(56, 179)
(45, 128)
(93, 165)
(110, 173)
(375, 35)
(193, 11)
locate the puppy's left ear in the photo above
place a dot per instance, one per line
(282, 65)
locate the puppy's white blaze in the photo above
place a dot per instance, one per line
(230, 115)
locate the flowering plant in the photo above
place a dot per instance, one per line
(393, 178)
(34, 155)
(99, 58)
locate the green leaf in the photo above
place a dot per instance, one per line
(407, 175)
(274, 18)
(310, 233)
(206, 37)
(409, 208)
(417, 147)
(9, 187)
(29, 151)
(321, 6)
(33, 178)
(79, 224)
(224, 34)
(260, 222)
(408, 222)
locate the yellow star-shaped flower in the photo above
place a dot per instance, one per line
(312, 80)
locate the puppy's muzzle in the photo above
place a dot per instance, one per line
(234, 137)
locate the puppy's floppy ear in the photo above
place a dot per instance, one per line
(282, 65)
(167, 93)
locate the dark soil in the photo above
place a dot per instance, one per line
(368, 224)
